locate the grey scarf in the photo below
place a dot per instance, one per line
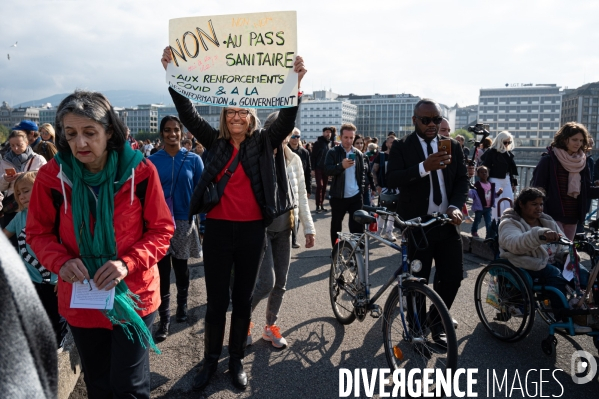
(19, 161)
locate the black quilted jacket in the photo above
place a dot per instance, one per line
(252, 153)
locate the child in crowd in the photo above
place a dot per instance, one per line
(483, 196)
(43, 280)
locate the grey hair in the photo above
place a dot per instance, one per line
(94, 106)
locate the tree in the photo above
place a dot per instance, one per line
(4, 132)
(467, 135)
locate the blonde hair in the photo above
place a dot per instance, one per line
(49, 128)
(498, 142)
(27, 177)
(223, 130)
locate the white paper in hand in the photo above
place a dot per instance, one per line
(568, 274)
(84, 298)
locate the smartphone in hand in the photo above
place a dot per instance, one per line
(445, 145)
(352, 157)
(10, 171)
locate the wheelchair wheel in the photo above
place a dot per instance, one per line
(504, 302)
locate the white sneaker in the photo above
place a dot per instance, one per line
(273, 334)
(389, 237)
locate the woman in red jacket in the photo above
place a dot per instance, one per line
(93, 178)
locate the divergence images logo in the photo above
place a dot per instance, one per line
(583, 366)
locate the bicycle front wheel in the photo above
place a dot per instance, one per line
(344, 282)
(422, 335)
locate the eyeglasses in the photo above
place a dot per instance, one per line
(507, 142)
(242, 113)
(427, 119)
(296, 136)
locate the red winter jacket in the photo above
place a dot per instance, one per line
(142, 236)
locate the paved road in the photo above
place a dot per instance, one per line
(319, 346)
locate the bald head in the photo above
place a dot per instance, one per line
(444, 129)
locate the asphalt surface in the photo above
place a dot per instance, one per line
(319, 346)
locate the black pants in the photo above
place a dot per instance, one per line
(113, 366)
(341, 206)
(50, 302)
(231, 246)
(181, 281)
(445, 247)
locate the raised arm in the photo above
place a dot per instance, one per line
(190, 118)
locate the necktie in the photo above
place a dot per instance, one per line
(437, 197)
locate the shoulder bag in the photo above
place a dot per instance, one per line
(214, 192)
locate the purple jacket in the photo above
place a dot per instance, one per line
(477, 193)
(545, 176)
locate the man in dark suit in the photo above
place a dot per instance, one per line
(431, 181)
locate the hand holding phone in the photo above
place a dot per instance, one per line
(445, 145)
(352, 157)
(10, 171)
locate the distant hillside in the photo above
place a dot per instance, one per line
(118, 98)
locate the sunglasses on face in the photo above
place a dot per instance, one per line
(507, 142)
(242, 113)
(295, 136)
(426, 120)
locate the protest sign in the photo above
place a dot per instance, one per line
(241, 60)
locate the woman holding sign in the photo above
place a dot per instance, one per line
(236, 225)
(97, 218)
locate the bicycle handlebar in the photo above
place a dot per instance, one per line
(562, 240)
(416, 222)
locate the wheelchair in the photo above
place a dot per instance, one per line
(506, 300)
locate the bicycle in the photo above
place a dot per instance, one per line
(406, 323)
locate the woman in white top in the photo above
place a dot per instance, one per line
(272, 277)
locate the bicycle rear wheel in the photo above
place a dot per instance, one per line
(409, 337)
(344, 282)
(504, 302)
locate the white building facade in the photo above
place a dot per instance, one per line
(531, 113)
(317, 114)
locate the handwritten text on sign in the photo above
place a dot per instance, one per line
(242, 60)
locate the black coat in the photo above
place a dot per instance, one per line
(499, 164)
(319, 152)
(334, 168)
(306, 164)
(253, 154)
(414, 191)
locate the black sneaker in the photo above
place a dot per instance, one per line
(323, 209)
(317, 209)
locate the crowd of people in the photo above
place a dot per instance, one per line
(85, 203)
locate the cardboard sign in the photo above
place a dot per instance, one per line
(241, 60)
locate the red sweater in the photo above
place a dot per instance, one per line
(238, 202)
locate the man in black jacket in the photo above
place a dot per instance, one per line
(346, 165)
(295, 144)
(431, 180)
(319, 153)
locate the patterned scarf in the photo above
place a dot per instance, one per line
(574, 164)
(100, 247)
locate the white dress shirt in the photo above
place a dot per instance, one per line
(432, 207)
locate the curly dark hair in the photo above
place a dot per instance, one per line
(560, 140)
(526, 195)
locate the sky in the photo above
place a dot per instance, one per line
(445, 50)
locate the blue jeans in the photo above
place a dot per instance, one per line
(478, 215)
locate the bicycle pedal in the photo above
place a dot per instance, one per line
(376, 312)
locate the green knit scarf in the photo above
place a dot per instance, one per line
(98, 248)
